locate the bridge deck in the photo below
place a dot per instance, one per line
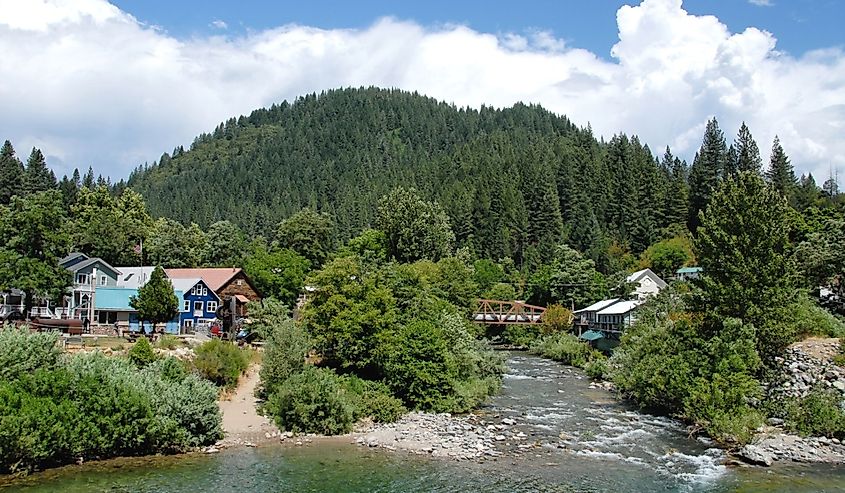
(495, 312)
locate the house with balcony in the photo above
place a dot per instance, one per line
(88, 274)
(198, 303)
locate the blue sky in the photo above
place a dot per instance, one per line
(800, 25)
(115, 84)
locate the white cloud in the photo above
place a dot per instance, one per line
(219, 24)
(89, 84)
(762, 3)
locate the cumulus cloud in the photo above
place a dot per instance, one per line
(219, 24)
(89, 84)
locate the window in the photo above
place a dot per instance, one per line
(204, 291)
(103, 280)
(240, 282)
(187, 306)
(198, 306)
(211, 306)
(189, 323)
(82, 279)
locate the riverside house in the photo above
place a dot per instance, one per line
(226, 282)
(198, 303)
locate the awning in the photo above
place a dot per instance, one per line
(241, 298)
(591, 335)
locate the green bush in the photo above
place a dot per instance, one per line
(285, 344)
(142, 353)
(597, 368)
(691, 366)
(520, 335)
(22, 351)
(812, 320)
(313, 401)
(374, 400)
(92, 406)
(220, 362)
(565, 348)
(170, 342)
(820, 413)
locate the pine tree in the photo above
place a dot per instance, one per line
(11, 172)
(747, 152)
(37, 176)
(807, 194)
(88, 179)
(677, 197)
(707, 171)
(781, 175)
(156, 302)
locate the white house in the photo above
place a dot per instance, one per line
(134, 277)
(647, 283)
(618, 316)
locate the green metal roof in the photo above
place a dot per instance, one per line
(689, 270)
(591, 335)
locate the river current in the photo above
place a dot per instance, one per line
(577, 439)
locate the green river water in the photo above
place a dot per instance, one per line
(582, 440)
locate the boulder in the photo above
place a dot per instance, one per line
(755, 455)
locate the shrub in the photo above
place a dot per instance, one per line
(220, 362)
(374, 400)
(567, 349)
(142, 353)
(22, 351)
(597, 368)
(520, 335)
(313, 401)
(170, 342)
(839, 359)
(285, 346)
(820, 413)
(556, 319)
(92, 406)
(811, 319)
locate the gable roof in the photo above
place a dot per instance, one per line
(214, 278)
(91, 261)
(636, 276)
(71, 257)
(598, 305)
(185, 285)
(134, 277)
(621, 308)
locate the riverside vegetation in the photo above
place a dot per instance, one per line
(57, 408)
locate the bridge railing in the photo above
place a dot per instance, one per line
(507, 312)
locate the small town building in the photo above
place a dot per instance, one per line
(586, 317)
(617, 317)
(228, 283)
(646, 282)
(89, 273)
(198, 303)
(687, 273)
(112, 309)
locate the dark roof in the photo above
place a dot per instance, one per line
(85, 263)
(72, 256)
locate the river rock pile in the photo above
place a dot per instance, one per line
(468, 437)
(775, 446)
(802, 371)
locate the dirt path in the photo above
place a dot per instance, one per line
(241, 421)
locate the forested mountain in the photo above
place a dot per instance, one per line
(515, 182)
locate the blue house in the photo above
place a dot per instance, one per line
(111, 307)
(199, 302)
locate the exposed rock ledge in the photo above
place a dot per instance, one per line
(774, 446)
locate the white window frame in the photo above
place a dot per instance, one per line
(200, 303)
(103, 280)
(204, 291)
(82, 278)
(188, 323)
(211, 306)
(186, 306)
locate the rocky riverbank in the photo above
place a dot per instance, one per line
(469, 437)
(805, 365)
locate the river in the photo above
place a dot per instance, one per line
(577, 439)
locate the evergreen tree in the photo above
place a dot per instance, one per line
(37, 176)
(88, 180)
(545, 225)
(11, 173)
(707, 171)
(415, 229)
(156, 302)
(807, 194)
(677, 196)
(743, 245)
(307, 233)
(747, 152)
(780, 174)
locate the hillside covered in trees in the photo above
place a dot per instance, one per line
(515, 182)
